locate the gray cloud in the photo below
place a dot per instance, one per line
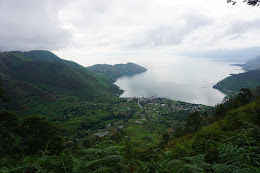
(238, 28)
(31, 24)
(100, 27)
(171, 34)
(242, 26)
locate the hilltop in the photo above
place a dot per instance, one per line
(118, 70)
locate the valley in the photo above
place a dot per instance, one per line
(80, 119)
(67, 111)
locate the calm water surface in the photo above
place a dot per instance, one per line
(178, 78)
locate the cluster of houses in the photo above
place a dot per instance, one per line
(155, 105)
(164, 102)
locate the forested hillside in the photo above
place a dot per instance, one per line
(249, 79)
(118, 70)
(35, 77)
(235, 82)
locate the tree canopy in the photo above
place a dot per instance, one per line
(3, 96)
(249, 2)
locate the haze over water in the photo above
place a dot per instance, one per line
(179, 78)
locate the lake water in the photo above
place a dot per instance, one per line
(178, 78)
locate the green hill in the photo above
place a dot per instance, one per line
(249, 79)
(235, 82)
(25, 95)
(42, 55)
(118, 70)
(230, 144)
(50, 75)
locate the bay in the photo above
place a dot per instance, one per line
(179, 78)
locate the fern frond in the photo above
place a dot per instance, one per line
(104, 170)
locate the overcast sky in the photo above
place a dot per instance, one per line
(96, 31)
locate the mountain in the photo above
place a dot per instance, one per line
(42, 76)
(252, 64)
(235, 82)
(43, 55)
(118, 70)
(230, 55)
(249, 79)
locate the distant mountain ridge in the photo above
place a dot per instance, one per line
(118, 70)
(40, 76)
(231, 55)
(252, 64)
(250, 79)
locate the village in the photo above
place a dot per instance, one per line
(166, 104)
(149, 115)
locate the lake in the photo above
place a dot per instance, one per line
(178, 78)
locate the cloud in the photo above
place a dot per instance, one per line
(171, 34)
(241, 27)
(80, 28)
(31, 24)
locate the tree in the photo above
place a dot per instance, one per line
(164, 141)
(245, 96)
(38, 135)
(88, 142)
(3, 96)
(194, 122)
(220, 111)
(249, 2)
(56, 145)
(8, 133)
(179, 131)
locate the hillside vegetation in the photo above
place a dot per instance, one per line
(226, 140)
(118, 70)
(236, 82)
(57, 127)
(42, 76)
(249, 79)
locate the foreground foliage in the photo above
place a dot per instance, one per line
(226, 140)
